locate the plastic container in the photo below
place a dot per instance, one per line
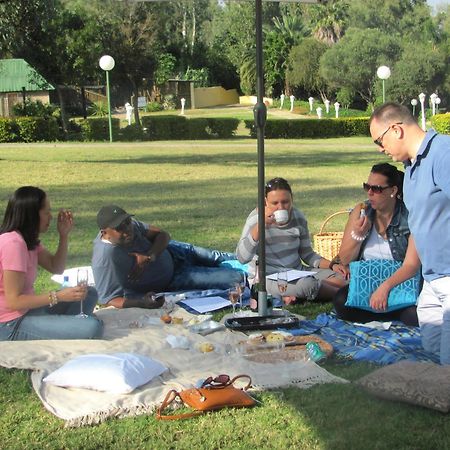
(314, 352)
(65, 282)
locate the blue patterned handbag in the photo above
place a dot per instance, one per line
(366, 276)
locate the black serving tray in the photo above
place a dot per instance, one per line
(261, 323)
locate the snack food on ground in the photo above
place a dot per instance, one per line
(166, 318)
(177, 320)
(256, 338)
(274, 337)
(206, 347)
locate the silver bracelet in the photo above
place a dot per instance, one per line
(358, 238)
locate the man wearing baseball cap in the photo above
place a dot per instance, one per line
(131, 261)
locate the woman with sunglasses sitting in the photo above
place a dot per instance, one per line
(288, 246)
(378, 229)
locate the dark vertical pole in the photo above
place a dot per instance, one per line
(260, 114)
(83, 102)
(24, 98)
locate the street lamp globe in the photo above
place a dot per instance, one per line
(383, 72)
(107, 63)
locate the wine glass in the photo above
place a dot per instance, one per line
(241, 289)
(282, 288)
(82, 281)
(233, 296)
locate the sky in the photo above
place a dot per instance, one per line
(438, 2)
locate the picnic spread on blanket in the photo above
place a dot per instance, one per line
(141, 332)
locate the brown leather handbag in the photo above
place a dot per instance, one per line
(214, 393)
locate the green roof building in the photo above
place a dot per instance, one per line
(19, 79)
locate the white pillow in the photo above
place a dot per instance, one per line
(117, 373)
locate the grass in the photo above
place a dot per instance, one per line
(202, 192)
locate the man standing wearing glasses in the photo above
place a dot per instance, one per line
(131, 261)
(427, 196)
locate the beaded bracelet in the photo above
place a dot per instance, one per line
(53, 298)
(358, 238)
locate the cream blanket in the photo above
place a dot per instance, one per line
(84, 407)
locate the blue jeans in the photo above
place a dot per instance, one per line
(58, 322)
(198, 268)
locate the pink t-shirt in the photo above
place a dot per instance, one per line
(15, 256)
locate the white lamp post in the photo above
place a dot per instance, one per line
(383, 72)
(422, 107)
(282, 97)
(183, 103)
(327, 106)
(414, 104)
(107, 63)
(336, 107)
(311, 102)
(319, 112)
(438, 102)
(292, 98)
(433, 98)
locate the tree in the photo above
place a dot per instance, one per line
(353, 61)
(329, 20)
(32, 30)
(421, 68)
(304, 62)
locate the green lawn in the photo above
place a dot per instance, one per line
(202, 192)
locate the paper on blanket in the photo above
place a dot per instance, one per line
(292, 275)
(206, 304)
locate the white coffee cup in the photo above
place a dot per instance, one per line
(281, 215)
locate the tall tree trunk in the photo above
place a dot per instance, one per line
(194, 30)
(134, 101)
(62, 105)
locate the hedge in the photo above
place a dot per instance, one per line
(97, 128)
(165, 128)
(34, 129)
(8, 130)
(441, 123)
(312, 128)
(179, 127)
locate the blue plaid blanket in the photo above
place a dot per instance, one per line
(361, 343)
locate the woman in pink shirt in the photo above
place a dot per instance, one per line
(25, 315)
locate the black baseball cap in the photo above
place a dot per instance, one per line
(111, 216)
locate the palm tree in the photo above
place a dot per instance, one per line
(329, 20)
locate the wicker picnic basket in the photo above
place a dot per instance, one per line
(327, 244)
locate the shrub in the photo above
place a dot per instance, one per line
(154, 107)
(34, 109)
(97, 128)
(198, 128)
(222, 128)
(159, 128)
(8, 130)
(441, 123)
(131, 132)
(312, 128)
(98, 109)
(33, 129)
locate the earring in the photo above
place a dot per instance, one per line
(392, 195)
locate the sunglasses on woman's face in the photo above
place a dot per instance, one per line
(375, 188)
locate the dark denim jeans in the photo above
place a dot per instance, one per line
(199, 268)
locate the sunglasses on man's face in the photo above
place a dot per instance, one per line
(375, 188)
(379, 140)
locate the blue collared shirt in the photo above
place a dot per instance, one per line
(427, 197)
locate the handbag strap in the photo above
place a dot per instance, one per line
(170, 397)
(173, 394)
(216, 385)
